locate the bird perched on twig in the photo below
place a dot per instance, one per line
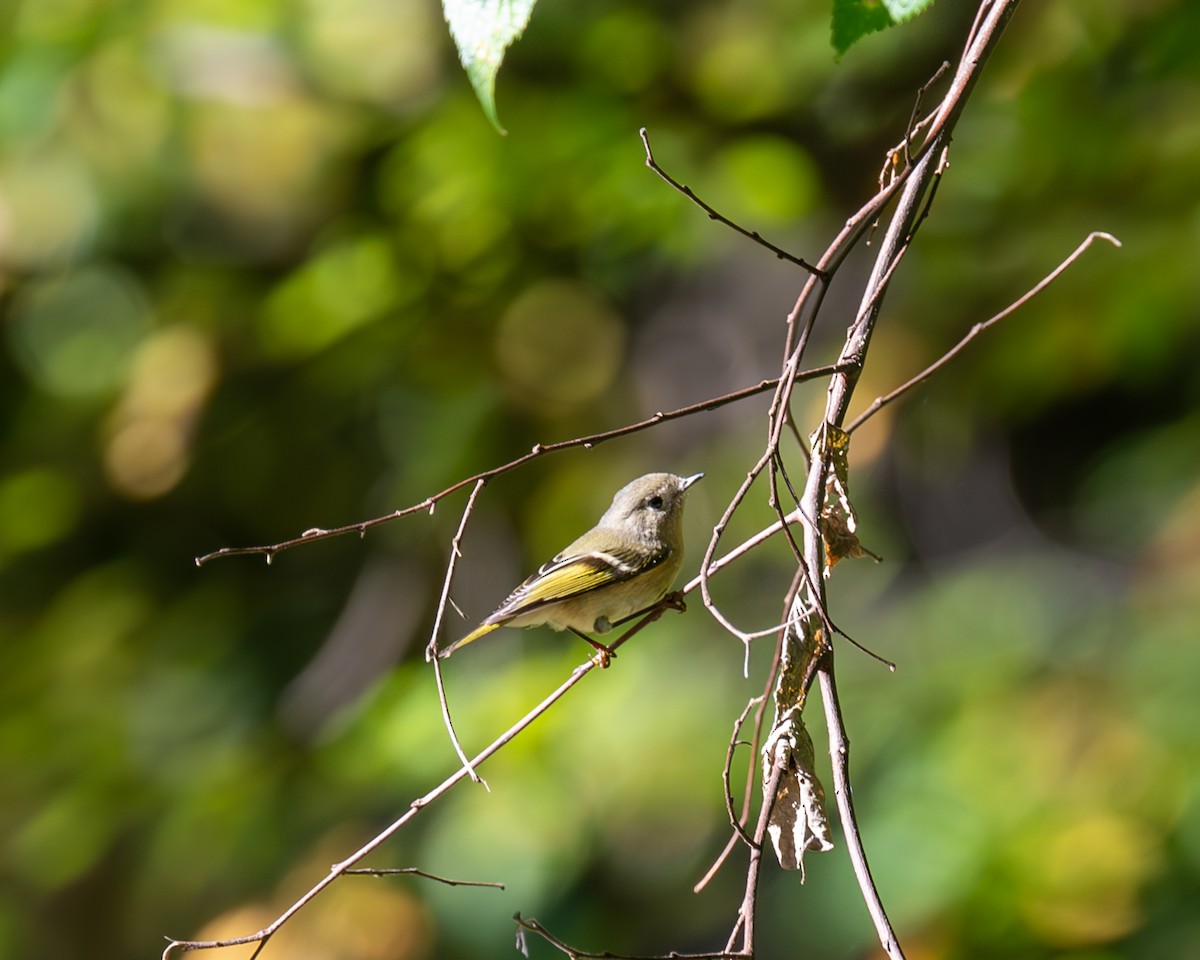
(622, 566)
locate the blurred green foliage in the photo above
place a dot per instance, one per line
(266, 266)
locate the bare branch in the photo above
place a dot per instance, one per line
(880, 402)
(451, 563)
(713, 214)
(915, 126)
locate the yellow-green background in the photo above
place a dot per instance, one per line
(265, 266)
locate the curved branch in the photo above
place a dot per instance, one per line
(431, 648)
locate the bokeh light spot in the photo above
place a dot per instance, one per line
(47, 210)
(558, 346)
(173, 372)
(346, 286)
(76, 335)
(1085, 879)
(37, 507)
(769, 177)
(145, 458)
(377, 50)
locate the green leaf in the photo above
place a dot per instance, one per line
(902, 10)
(854, 19)
(482, 31)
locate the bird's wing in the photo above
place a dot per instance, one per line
(569, 575)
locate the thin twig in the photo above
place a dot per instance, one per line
(747, 911)
(727, 771)
(778, 402)
(756, 738)
(431, 647)
(887, 172)
(931, 194)
(880, 402)
(714, 214)
(915, 125)
(717, 864)
(391, 871)
(741, 550)
(752, 769)
(451, 563)
(708, 564)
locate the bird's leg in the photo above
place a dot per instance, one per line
(606, 654)
(672, 601)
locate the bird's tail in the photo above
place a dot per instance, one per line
(480, 631)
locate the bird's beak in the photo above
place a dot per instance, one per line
(688, 481)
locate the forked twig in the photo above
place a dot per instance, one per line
(915, 126)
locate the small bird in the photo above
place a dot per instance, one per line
(622, 566)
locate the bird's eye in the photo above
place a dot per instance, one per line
(655, 501)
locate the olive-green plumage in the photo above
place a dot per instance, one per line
(623, 565)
